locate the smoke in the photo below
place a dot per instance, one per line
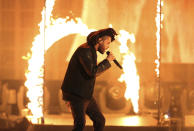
(135, 17)
(97, 14)
(178, 17)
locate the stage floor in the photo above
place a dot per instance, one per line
(114, 120)
(111, 120)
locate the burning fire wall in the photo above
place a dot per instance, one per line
(155, 50)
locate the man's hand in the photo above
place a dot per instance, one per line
(110, 57)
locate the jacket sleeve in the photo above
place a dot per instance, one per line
(89, 65)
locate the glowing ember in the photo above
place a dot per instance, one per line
(51, 30)
(130, 76)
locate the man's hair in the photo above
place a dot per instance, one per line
(92, 38)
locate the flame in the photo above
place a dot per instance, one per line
(50, 30)
(159, 18)
(130, 75)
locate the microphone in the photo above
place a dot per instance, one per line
(115, 61)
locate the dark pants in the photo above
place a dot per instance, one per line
(89, 107)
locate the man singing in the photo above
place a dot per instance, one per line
(79, 81)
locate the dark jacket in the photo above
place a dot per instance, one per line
(81, 73)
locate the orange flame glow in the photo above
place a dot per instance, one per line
(50, 30)
(130, 76)
(158, 19)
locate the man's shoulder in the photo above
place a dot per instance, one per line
(84, 48)
(85, 45)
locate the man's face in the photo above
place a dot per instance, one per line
(104, 43)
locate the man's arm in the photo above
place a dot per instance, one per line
(87, 61)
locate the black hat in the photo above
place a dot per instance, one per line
(93, 37)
